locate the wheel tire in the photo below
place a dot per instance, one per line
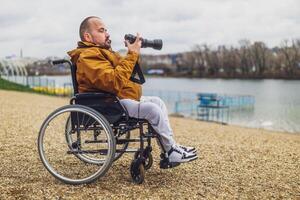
(149, 162)
(54, 162)
(137, 171)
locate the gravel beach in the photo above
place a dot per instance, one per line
(234, 162)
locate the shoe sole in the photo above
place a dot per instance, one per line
(196, 157)
(187, 160)
(192, 158)
(193, 151)
(177, 163)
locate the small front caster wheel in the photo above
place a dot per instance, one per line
(146, 156)
(137, 171)
(148, 161)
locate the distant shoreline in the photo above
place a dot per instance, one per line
(194, 77)
(227, 78)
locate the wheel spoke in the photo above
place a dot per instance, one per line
(86, 124)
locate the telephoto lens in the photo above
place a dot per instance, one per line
(155, 44)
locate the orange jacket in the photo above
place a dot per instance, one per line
(102, 69)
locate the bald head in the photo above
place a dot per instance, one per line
(93, 30)
(85, 26)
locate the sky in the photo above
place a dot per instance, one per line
(50, 28)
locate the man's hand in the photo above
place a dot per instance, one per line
(136, 46)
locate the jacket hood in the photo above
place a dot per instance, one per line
(74, 54)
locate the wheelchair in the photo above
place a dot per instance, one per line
(78, 143)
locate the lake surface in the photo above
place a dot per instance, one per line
(277, 102)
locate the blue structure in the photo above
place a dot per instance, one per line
(204, 106)
(212, 108)
(215, 107)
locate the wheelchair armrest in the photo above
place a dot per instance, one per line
(93, 95)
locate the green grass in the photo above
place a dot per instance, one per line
(7, 85)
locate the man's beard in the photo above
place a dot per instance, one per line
(106, 45)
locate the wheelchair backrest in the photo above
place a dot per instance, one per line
(74, 80)
(105, 103)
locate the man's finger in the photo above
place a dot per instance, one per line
(126, 43)
(138, 38)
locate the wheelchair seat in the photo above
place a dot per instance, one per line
(106, 104)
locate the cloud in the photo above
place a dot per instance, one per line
(50, 28)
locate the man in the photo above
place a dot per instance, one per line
(99, 68)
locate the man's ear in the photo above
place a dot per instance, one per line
(87, 37)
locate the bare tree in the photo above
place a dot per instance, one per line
(291, 56)
(201, 63)
(259, 52)
(245, 56)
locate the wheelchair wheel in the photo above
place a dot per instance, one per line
(137, 171)
(88, 156)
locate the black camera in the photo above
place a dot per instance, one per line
(155, 44)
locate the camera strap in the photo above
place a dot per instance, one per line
(137, 75)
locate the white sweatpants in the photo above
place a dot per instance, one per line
(154, 110)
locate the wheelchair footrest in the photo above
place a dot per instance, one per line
(165, 164)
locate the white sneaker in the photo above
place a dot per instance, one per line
(178, 155)
(188, 149)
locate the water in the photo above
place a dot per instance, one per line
(277, 102)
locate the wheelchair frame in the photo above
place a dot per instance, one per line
(109, 116)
